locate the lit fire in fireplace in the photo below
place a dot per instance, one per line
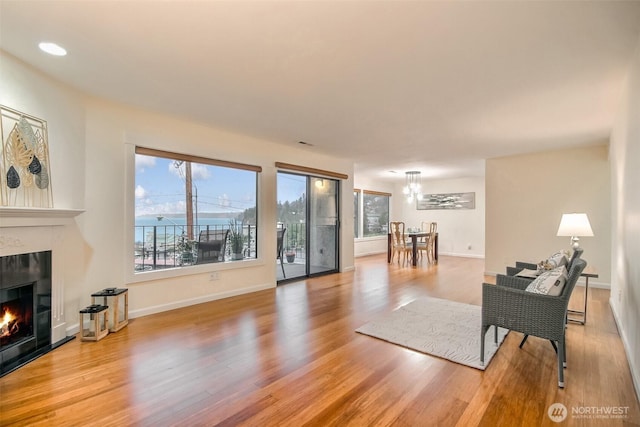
(8, 325)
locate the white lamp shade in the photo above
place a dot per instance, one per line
(575, 224)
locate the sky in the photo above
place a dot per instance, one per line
(291, 187)
(160, 187)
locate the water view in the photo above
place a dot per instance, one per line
(174, 225)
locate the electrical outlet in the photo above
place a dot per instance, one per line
(214, 276)
(469, 246)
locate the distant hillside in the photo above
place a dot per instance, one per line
(200, 215)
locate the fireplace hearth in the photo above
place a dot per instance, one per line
(25, 308)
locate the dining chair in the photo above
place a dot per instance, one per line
(280, 248)
(422, 241)
(427, 243)
(399, 243)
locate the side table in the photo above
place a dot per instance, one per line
(119, 307)
(586, 273)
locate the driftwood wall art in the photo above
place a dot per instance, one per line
(25, 168)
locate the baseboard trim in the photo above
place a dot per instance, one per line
(369, 253)
(635, 373)
(199, 300)
(461, 255)
(363, 254)
(598, 285)
(75, 328)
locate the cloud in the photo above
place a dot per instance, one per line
(143, 162)
(148, 206)
(223, 201)
(198, 171)
(141, 193)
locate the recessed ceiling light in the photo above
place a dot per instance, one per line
(52, 49)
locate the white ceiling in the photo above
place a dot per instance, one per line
(435, 86)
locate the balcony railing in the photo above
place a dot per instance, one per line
(167, 246)
(295, 238)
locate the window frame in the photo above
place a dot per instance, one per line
(131, 276)
(357, 213)
(361, 215)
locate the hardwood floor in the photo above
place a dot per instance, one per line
(289, 356)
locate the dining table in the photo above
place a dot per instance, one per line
(414, 235)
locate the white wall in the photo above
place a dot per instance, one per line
(526, 197)
(91, 143)
(461, 231)
(29, 91)
(625, 203)
(112, 132)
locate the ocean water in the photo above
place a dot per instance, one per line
(168, 227)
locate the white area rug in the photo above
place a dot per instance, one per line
(442, 328)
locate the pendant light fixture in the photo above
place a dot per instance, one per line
(413, 186)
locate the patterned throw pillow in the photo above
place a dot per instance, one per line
(558, 259)
(550, 282)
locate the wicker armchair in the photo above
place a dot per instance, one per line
(509, 306)
(512, 271)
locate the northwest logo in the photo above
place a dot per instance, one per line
(557, 412)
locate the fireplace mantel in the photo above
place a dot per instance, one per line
(26, 230)
(35, 217)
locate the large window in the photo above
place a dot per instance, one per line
(375, 213)
(192, 210)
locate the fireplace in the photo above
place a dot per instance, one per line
(35, 244)
(25, 308)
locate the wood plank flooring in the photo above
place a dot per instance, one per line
(290, 357)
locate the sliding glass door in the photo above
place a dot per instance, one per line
(308, 223)
(292, 226)
(323, 225)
